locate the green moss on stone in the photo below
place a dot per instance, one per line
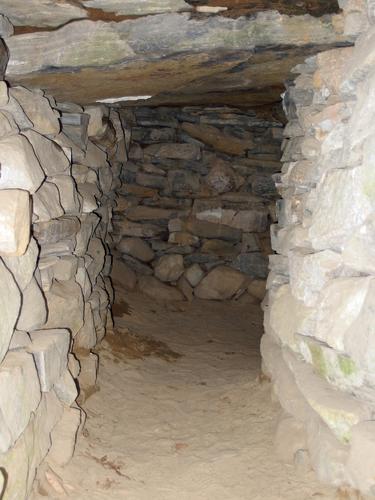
(318, 359)
(347, 366)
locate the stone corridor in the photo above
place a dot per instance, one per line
(187, 235)
(181, 411)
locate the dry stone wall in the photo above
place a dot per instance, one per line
(59, 167)
(197, 200)
(319, 345)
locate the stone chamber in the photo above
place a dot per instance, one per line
(187, 249)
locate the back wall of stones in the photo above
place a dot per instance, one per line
(319, 346)
(197, 200)
(60, 166)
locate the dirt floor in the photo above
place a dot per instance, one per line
(181, 413)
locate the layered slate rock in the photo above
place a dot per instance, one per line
(198, 193)
(211, 57)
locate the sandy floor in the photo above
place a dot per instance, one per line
(184, 419)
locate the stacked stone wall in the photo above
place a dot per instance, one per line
(197, 200)
(319, 346)
(60, 165)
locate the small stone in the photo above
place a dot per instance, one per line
(69, 197)
(219, 140)
(194, 274)
(253, 264)
(66, 389)
(50, 349)
(51, 156)
(169, 267)
(221, 178)
(206, 229)
(88, 374)
(183, 181)
(86, 337)
(65, 296)
(38, 110)
(136, 247)
(183, 238)
(221, 283)
(156, 290)
(46, 203)
(175, 151)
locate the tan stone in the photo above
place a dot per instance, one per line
(218, 140)
(15, 222)
(220, 284)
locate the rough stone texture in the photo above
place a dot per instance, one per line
(10, 304)
(185, 201)
(155, 289)
(318, 347)
(15, 218)
(169, 267)
(57, 280)
(50, 351)
(20, 168)
(178, 53)
(220, 284)
(19, 396)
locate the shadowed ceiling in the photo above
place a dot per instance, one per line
(234, 52)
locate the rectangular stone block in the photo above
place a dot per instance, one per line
(50, 351)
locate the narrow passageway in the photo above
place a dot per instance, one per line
(181, 412)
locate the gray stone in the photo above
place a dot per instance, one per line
(56, 230)
(183, 181)
(88, 374)
(19, 396)
(38, 110)
(176, 151)
(66, 389)
(86, 337)
(253, 264)
(51, 157)
(33, 311)
(169, 267)
(194, 274)
(65, 306)
(136, 247)
(64, 436)
(10, 304)
(46, 203)
(50, 349)
(69, 197)
(23, 267)
(206, 229)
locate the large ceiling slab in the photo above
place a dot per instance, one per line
(235, 52)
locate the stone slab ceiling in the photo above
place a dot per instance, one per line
(179, 52)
